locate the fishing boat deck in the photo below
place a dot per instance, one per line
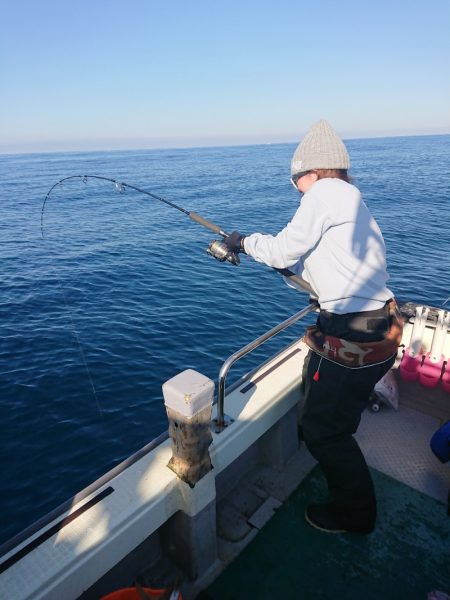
(408, 554)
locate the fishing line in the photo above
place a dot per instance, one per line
(70, 313)
(121, 186)
(80, 349)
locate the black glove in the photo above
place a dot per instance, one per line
(235, 242)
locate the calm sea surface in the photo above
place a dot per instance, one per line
(122, 283)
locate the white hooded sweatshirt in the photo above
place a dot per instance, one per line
(334, 243)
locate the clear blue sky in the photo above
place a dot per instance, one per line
(101, 74)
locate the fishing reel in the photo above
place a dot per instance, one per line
(221, 252)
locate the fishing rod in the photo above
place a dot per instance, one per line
(217, 249)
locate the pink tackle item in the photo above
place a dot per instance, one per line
(430, 371)
(409, 366)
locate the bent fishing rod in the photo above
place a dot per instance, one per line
(217, 249)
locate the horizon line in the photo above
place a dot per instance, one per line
(199, 146)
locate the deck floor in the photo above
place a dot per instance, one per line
(398, 444)
(408, 554)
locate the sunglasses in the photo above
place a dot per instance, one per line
(297, 176)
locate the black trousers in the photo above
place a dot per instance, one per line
(331, 415)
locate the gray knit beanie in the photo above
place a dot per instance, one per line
(321, 148)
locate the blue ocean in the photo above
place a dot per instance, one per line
(119, 293)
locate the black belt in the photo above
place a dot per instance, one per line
(368, 326)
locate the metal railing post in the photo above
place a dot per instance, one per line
(221, 420)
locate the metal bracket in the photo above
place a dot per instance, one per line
(218, 426)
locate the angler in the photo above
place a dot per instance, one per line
(338, 247)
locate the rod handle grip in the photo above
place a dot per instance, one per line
(201, 221)
(298, 280)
